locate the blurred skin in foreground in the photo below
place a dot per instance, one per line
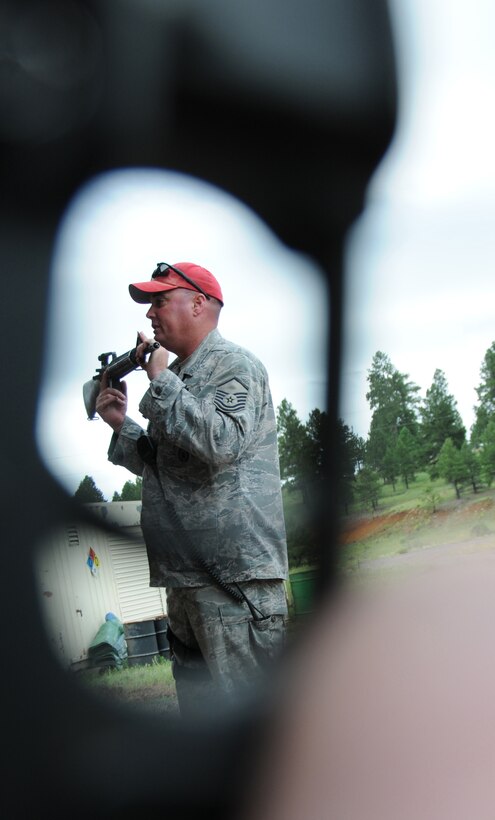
(390, 708)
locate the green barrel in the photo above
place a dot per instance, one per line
(303, 586)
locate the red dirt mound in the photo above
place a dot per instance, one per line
(358, 530)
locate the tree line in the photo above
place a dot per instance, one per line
(409, 434)
(87, 491)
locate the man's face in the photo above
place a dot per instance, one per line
(170, 315)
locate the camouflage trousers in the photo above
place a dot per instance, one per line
(219, 650)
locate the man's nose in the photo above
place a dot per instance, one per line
(149, 312)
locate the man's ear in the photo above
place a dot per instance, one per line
(199, 303)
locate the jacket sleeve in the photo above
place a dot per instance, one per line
(123, 450)
(219, 425)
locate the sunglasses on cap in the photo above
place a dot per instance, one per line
(162, 270)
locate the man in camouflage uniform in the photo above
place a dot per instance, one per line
(212, 514)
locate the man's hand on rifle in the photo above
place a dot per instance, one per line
(111, 404)
(157, 362)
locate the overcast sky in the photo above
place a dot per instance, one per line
(419, 261)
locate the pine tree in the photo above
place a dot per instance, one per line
(347, 461)
(317, 431)
(88, 492)
(391, 465)
(485, 410)
(393, 399)
(131, 491)
(472, 465)
(294, 447)
(368, 487)
(407, 455)
(487, 452)
(440, 420)
(450, 465)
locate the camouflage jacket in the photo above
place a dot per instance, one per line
(216, 473)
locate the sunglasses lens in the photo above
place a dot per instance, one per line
(161, 270)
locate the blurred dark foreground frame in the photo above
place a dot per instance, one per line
(289, 106)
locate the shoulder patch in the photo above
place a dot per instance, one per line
(231, 396)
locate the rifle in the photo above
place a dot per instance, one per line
(117, 367)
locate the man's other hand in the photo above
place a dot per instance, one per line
(111, 404)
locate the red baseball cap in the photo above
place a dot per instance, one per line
(179, 275)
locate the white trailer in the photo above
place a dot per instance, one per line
(85, 571)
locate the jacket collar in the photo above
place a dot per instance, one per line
(188, 366)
